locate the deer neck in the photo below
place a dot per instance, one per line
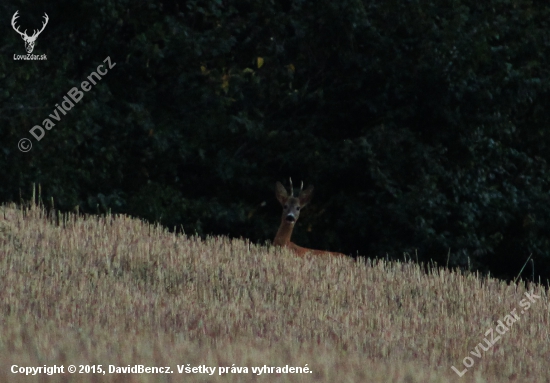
(284, 233)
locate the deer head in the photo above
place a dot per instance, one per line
(29, 40)
(292, 205)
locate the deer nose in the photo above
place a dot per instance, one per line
(290, 218)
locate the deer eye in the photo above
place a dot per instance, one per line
(298, 208)
(286, 207)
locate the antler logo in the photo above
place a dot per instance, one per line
(29, 40)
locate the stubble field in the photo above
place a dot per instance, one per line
(117, 292)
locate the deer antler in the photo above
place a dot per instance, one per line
(15, 16)
(292, 188)
(36, 32)
(44, 23)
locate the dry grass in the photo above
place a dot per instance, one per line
(114, 290)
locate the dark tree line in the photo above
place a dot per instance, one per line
(423, 125)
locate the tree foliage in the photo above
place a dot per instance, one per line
(423, 125)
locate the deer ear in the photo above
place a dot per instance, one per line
(280, 193)
(305, 195)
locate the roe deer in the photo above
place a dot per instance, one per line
(291, 211)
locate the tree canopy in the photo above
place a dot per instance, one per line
(423, 125)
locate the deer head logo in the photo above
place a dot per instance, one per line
(29, 40)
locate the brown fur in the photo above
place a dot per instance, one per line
(291, 211)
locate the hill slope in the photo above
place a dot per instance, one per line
(116, 291)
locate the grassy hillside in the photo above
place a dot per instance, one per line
(116, 291)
